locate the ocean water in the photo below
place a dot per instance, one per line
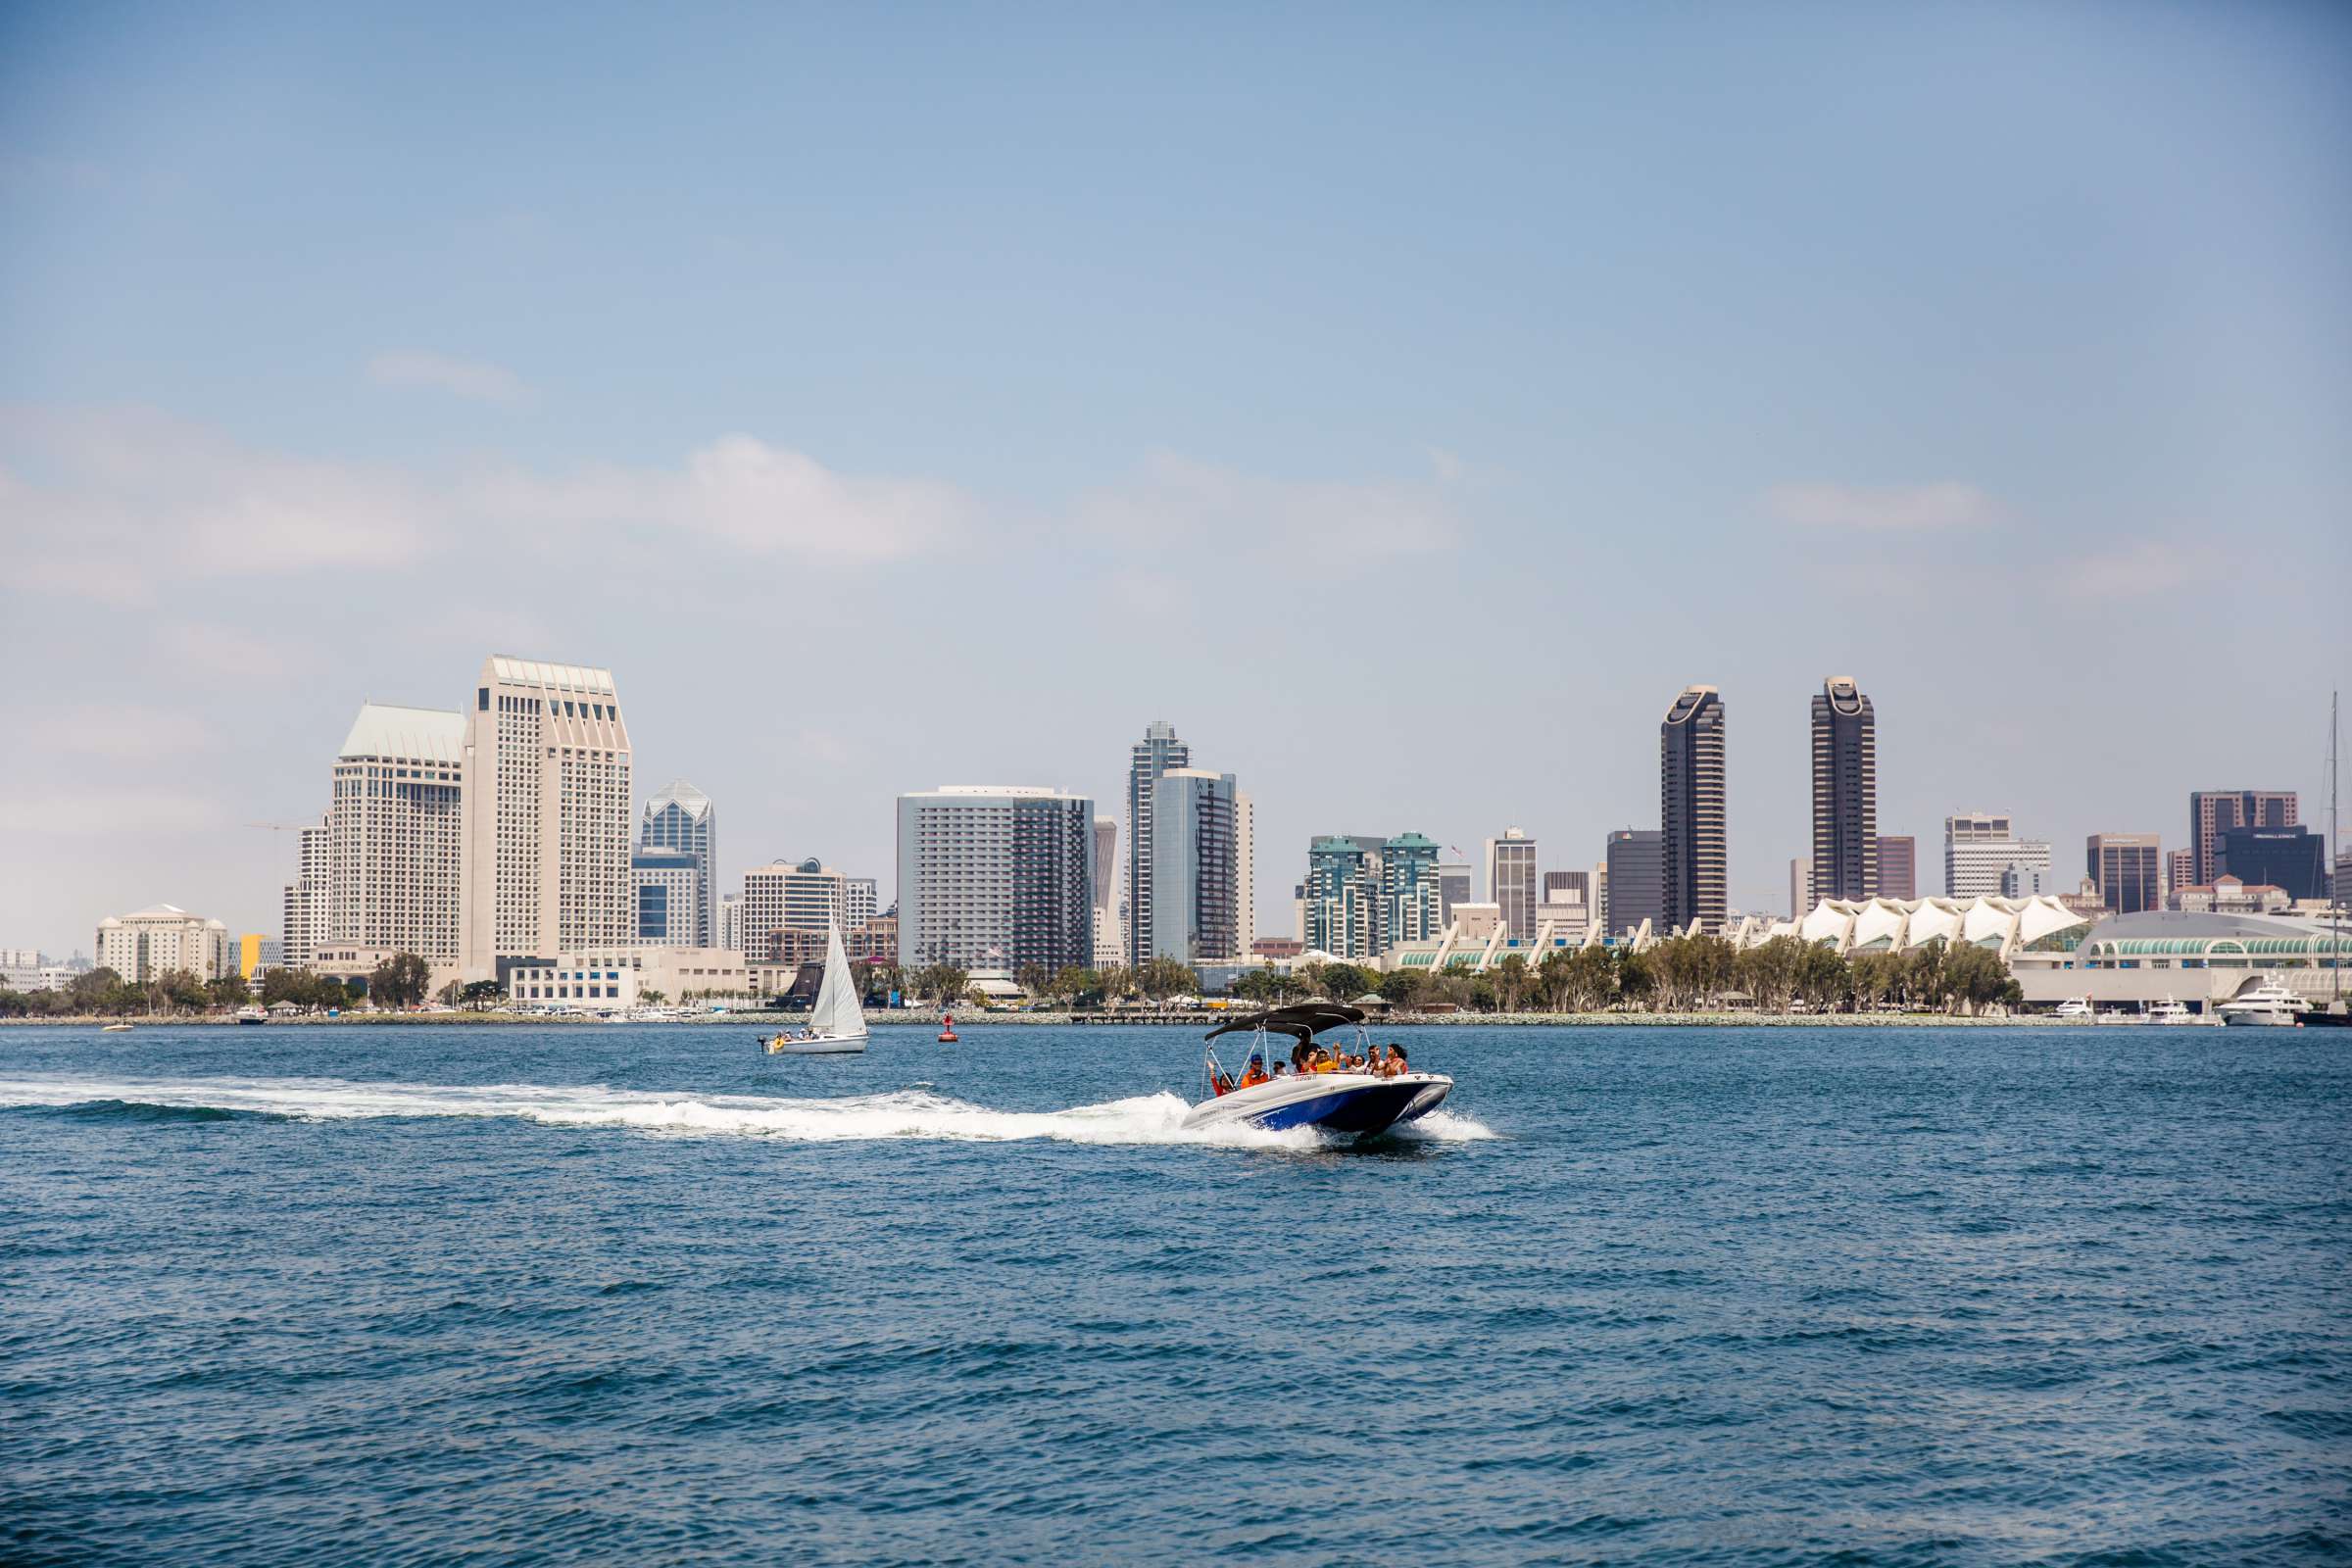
(601, 1294)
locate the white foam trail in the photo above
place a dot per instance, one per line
(1447, 1127)
(912, 1113)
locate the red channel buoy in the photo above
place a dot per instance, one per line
(947, 1029)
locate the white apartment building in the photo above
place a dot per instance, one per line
(394, 834)
(545, 863)
(1983, 859)
(616, 978)
(993, 877)
(731, 921)
(306, 913)
(801, 896)
(162, 940)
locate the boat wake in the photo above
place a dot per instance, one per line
(904, 1114)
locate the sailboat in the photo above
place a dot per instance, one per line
(836, 1024)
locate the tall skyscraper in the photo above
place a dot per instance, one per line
(1343, 897)
(681, 821)
(2127, 870)
(1411, 904)
(1984, 857)
(1109, 933)
(1801, 889)
(1899, 866)
(731, 921)
(2213, 812)
(1158, 751)
(1634, 888)
(1693, 833)
(993, 877)
(546, 862)
(2179, 872)
(395, 833)
(306, 897)
(1200, 876)
(1845, 792)
(1512, 881)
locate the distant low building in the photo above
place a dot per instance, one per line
(2226, 894)
(159, 940)
(616, 978)
(1277, 948)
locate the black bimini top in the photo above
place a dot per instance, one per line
(1301, 1022)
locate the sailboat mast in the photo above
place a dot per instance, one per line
(2336, 846)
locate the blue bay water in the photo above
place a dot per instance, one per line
(573, 1295)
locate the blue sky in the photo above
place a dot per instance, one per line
(1403, 403)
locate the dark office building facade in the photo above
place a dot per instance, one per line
(1845, 792)
(2127, 869)
(2295, 859)
(1693, 840)
(2213, 812)
(1899, 866)
(1636, 877)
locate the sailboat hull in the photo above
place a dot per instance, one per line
(818, 1046)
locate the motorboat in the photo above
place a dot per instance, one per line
(252, 1015)
(2269, 1003)
(1349, 1103)
(837, 1023)
(2171, 1011)
(114, 1029)
(2077, 1009)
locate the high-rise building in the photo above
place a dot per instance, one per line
(731, 921)
(2295, 859)
(1845, 792)
(1343, 896)
(162, 939)
(1199, 882)
(993, 877)
(681, 821)
(1107, 862)
(1634, 888)
(1801, 889)
(2213, 812)
(1899, 866)
(395, 834)
(1693, 834)
(1512, 881)
(1456, 884)
(306, 898)
(802, 896)
(1984, 857)
(547, 807)
(1412, 907)
(1158, 751)
(2179, 872)
(670, 886)
(2126, 871)
(1567, 886)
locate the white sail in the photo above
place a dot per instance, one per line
(836, 1014)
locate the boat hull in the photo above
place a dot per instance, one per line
(820, 1045)
(2260, 1020)
(1350, 1104)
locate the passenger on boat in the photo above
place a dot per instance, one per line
(1221, 1083)
(1256, 1074)
(1397, 1067)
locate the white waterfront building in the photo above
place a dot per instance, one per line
(394, 835)
(993, 877)
(2002, 926)
(801, 896)
(162, 939)
(548, 806)
(1984, 857)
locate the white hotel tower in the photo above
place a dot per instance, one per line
(393, 834)
(548, 815)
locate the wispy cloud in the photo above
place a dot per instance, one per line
(2133, 571)
(476, 380)
(1176, 498)
(1895, 509)
(741, 491)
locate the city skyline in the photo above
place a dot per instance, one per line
(315, 389)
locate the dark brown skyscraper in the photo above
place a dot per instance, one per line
(1845, 792)
(1899, 866)
(2213, 812)
(1692, 838)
